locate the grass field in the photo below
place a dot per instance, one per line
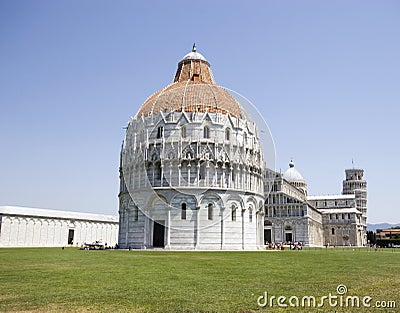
(72, 280)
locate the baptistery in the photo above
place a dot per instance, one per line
(191, 169)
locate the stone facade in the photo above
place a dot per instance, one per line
(288, 215)
(31, 227)
(207, 177)
(292, 215)
(355, 184)
(341, 220)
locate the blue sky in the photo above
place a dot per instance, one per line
(324, 74)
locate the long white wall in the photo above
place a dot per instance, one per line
(29, 231)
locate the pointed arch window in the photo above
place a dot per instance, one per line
(228, 134)
(160, 132)
(202, 172)
(183, 131)
(251, 216)
(206, 132)
(158, 171)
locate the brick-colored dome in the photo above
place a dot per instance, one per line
(191, 97)
(193, 90)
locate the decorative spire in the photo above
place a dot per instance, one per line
(194, 47)
(291, 164)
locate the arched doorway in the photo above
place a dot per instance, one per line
(158, 234)
(289, 233)
(267, 232)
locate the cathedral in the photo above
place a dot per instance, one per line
(193, 176)
(291, 215)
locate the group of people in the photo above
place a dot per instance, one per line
(98, 245)
(284, 245)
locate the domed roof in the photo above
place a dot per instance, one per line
(191, 97)
(194, 55)
(193, 90)
(292, 174)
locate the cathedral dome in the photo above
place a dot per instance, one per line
(193, 90)
(292, 174)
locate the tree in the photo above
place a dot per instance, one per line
(371, 237)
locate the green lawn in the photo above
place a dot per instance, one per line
(72, 280)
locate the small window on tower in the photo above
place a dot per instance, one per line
(333, 231)
(196, 77)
